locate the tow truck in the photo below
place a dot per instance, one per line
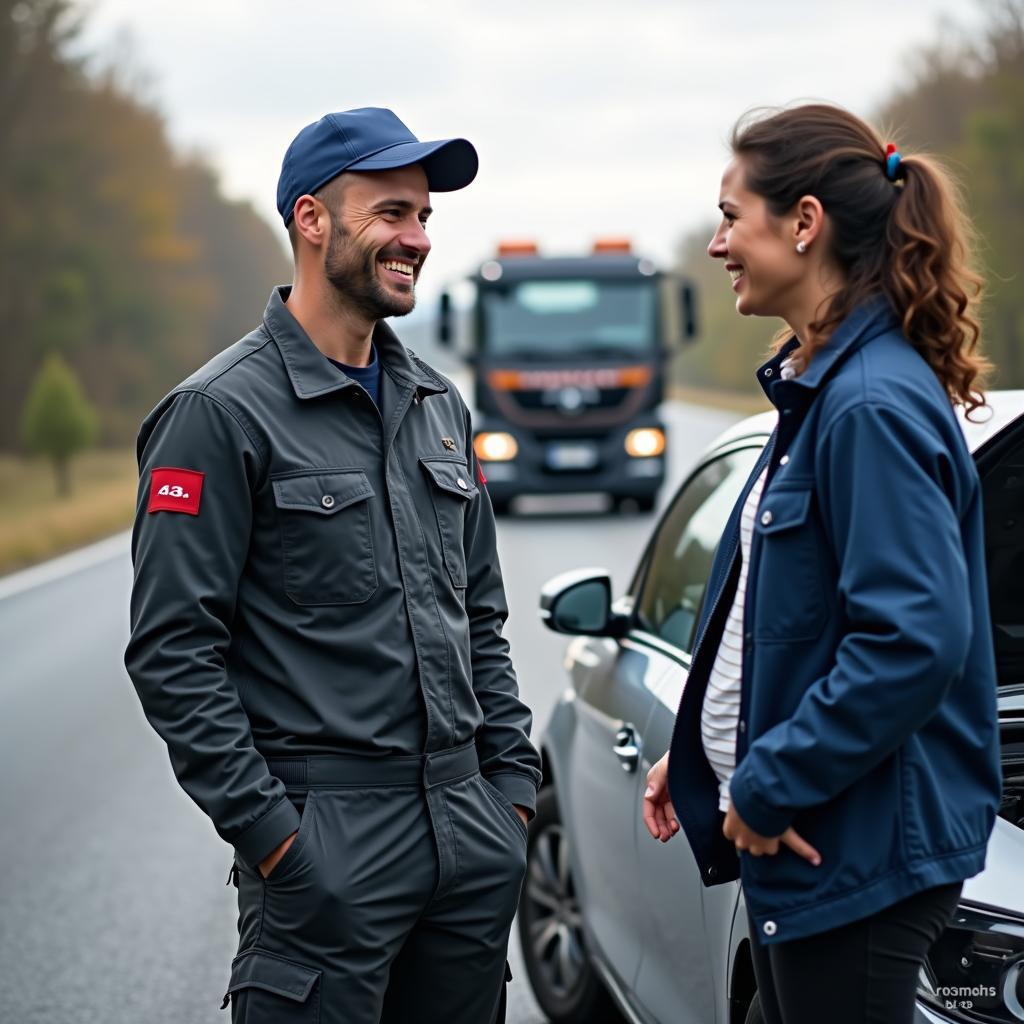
(570, 356)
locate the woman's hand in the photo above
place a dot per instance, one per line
(745, 838)
(659, 815)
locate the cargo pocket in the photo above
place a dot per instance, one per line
(326, 537)
(452, 488)
(791, 602)
(268, 989)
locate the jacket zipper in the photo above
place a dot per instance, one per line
(747, 659)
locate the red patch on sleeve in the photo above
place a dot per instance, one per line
(480, 473)
(175, 490)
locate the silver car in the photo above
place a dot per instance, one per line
(615, 926)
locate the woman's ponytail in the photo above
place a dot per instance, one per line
(929, 279)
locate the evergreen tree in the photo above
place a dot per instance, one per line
(58, 419)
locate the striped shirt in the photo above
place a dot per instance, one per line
(720, 712)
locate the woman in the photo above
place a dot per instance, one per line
(836, 742)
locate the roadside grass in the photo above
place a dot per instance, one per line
(36, 524)
(743, 402)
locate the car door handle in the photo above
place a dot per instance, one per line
(627, 748)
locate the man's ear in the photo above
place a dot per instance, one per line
(312, 221)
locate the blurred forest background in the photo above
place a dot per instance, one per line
(961, 100)
(118, 255)
(123, 267)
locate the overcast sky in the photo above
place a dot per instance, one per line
(591, 117)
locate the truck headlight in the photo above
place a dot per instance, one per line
(975, 970)
(645, 442)
(497, 447)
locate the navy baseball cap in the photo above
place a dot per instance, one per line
(367, 139)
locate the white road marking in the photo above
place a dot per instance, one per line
(64, 565)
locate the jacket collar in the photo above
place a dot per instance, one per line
(313, 375)
(867, 321)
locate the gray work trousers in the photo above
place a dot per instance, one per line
(394, 903)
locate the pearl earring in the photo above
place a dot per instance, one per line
(801, 246)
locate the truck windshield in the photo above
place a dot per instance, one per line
(553, 318)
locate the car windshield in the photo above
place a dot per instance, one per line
(549, 319)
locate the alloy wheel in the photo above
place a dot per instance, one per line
(556, 928)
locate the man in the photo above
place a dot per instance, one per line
(317, 615)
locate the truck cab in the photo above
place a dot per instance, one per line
(570, 355)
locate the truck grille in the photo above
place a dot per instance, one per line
(606, 398)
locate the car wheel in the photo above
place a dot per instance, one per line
(564, 982)
(754, 1015)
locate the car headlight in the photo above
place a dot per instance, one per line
(497, 447)
(975, 970)
(645, 442)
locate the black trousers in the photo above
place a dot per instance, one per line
(394, 903)
(862, 973)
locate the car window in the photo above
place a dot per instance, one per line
(680, 556)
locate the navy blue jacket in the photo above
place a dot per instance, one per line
(868, 712)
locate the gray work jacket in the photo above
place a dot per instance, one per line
(316, 576)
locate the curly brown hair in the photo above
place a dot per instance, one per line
(908, 238)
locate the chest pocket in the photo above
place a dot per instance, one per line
(452, 488)
(326, 536)
(790, 601)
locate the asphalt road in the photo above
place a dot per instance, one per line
(113, 904)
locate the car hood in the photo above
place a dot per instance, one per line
(999, 885)
(1000, 459)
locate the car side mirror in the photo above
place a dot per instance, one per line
(580, 603)
(688, 307)
(444, 320)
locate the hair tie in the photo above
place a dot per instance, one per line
(892, 161)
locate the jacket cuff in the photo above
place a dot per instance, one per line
(762, 817)
(266, 834)
(520, 790)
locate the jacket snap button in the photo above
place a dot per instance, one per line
(462, 483)
(327, 501)
(783, 460)
(743, 726)
(768, 372)
(766, 518)
(770, 928)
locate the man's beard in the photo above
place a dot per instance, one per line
(352, 271)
